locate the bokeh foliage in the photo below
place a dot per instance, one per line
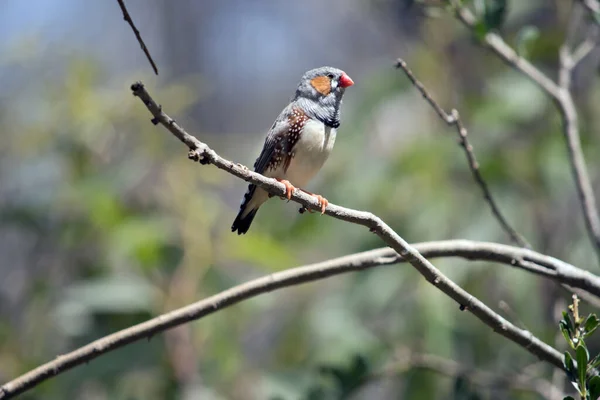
(104, 223)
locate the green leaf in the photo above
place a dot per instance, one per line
(525, 39)
(495, 13)
(582, 360)
(594, 387)
(359, 367)
(569, 322)
(595, 362)
(565, 331)
(569, 366)
(339, 374)
(480, 30)
(590, 325)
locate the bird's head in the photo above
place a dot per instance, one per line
(320, 93)
(324, 82)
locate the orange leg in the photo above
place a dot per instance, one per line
(289, 188)
(323, 202)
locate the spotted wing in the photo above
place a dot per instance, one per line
(279, 145)
(277, 152)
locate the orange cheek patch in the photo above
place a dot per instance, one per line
(322, 84)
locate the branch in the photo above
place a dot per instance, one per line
(138, 36)
(453, 119)
(513, 256)
(201, 152)
(407, 360)
(561, 95)
(525, 259)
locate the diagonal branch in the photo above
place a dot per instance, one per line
(509, 255)
(201, 152)
(137, 34)
(561, 95)
(453, 119)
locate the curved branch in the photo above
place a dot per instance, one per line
(561, 95)
(201, 152)
(454, 119)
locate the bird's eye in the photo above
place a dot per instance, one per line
(330, 76)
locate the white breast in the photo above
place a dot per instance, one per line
(311, 152)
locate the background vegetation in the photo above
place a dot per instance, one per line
(105, 223)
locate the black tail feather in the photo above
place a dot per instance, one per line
(242, 224)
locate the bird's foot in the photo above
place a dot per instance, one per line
(323, 202)
(289, 188)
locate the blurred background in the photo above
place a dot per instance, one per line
(105, 223)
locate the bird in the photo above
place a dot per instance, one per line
(300, 140)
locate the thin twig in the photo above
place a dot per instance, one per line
(561, 95)
(201, 152)
(138, 36)
(469, 250)
(453, 119)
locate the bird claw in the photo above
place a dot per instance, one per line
(323, 202)
(289, 188)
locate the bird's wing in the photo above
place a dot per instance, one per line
(277, 153)
(280, 141)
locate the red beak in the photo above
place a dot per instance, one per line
(345, 81)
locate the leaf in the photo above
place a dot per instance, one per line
(480, 30)
(582, 360)
(590, 325)
(359, 367)
(525, 39)
(565, 331)
(495, 13)
(595, 362)
(594, 387)
(569, 366)
(567, 319)
(339, 374)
